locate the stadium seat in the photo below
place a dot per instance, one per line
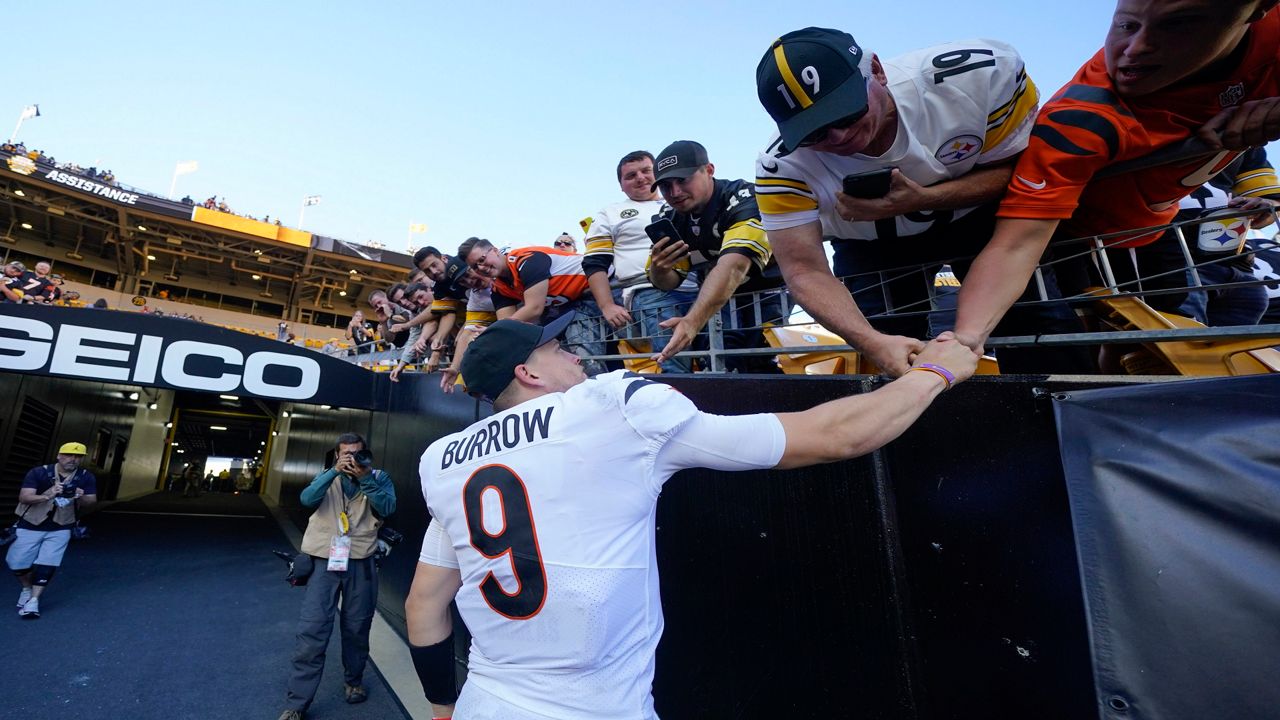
(1244, 356)
(832, 362)
(819, 361)
(637, 346)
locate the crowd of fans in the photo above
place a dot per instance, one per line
(940, 156)
(220, 205)
(943, 155)
(105, 177)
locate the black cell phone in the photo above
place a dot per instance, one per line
(868, 185)
(660, 229)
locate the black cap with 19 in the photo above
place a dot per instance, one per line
(809, 79)
(490, 363)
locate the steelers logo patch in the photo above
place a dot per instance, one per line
(629, 213)
(958, 148)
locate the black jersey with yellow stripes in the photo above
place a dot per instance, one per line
(730, 223)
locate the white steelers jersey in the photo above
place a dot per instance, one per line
(480, 312)
(549, 508)
(617, 233)
(959, 105)
(618, 230)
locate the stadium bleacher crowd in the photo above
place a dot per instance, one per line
(690, 264)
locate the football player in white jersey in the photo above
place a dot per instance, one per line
(543, 517)
(942, 126)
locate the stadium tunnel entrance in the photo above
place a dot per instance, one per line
(227, 439)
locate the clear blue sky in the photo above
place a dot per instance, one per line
(501, 120)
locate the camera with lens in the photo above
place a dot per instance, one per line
(389, 536)
(363, 457)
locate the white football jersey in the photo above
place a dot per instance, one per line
(549, 507)
(618, 230)
(959, 105)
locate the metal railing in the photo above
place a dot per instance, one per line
(746, 311)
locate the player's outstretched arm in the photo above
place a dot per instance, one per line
(853, 426)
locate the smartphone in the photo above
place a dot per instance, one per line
(868, 185)
(660, 229)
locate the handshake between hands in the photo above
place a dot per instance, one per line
(948, 352)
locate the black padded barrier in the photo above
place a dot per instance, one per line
(934, 579)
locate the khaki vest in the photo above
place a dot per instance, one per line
(323, 525)
(36, 513)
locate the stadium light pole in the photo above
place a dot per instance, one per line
(183, 168)
(30, 111)
(308, 200)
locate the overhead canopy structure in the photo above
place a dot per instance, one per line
(129, 233)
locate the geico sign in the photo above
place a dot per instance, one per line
(67, 354)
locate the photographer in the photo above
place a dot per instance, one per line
(350, 500)
(48, 507)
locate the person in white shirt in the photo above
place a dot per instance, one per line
(616, 255)
(543, 517)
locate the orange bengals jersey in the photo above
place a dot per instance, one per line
(530, 266)
(1087, 126)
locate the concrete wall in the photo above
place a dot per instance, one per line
(141, 470)
(122, 432)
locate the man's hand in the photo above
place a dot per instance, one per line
(57, 488)
(395, 373)
(683, 331)
(945, 351)
(667, 253)
(448, 377)
(616, 315)
(1266, 209)
(79, 493)
(905, 195)
(970, 342)
(891, 353)
(397, 327)
(420, 345)
(1252, 124)
(433, 362)
(344, 464)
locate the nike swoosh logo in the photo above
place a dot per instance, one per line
(1034, 186)
(770, 168)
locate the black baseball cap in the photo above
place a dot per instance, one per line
(489, 364)
(454, 271)
(809, 79)
(680, 159)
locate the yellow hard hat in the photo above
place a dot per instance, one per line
(72, 448)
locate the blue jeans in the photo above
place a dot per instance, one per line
(744, 329)
(1221, 307)
(589, 332)
(651, 306)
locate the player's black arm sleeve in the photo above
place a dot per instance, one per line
(434, 665)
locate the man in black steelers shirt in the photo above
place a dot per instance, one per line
(722, 241)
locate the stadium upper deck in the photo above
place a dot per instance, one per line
(138, 243)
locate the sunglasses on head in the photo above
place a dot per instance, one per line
(821, 133)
